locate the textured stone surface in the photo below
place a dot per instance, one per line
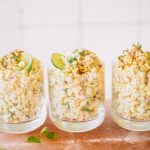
(108, 136)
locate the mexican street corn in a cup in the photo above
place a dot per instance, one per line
(22, 106)
(131, 89)
(76, 89)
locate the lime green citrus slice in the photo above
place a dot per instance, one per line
(27, 58)
(57, 61)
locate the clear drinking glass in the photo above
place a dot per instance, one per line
(76, 103)
(22, 97)
(130, 107)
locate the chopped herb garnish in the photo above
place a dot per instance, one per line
(68, 106)
(66, 90)
(50, 135)
(138, 45)
(33, 139)
(73, 95)
(75, 51)
(82, 52)
(121, 58)
(148, 56)
(87, 109)
(30, 68)
(17, 58)
(71, 59)
(66, 103)
(125, 51)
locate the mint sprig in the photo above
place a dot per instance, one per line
(43, 132)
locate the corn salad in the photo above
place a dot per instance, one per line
(131, 84)
(20, 88)
(77, 91)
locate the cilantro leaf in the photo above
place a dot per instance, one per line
(17, 58)
(50, 135)
(87, 109)
(138, 45)
(148, 55)
(33, 139)
(82, 52)
(66, 90)
(71, 59)
(30, 68)
(43, 131)
(121, 58)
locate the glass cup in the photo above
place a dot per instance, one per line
(22, 98)
(76, 104)
(130, 104)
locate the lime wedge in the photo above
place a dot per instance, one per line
(57, 61)
(27, 58)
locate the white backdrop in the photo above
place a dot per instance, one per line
(45, 26)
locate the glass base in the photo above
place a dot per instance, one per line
(18, 128)
(78, 126)
(130, 124)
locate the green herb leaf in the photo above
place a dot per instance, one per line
(17, 58)
(66, 90)
(50, 135)
(82, 52)
(66, 103)
(30, 68)
(43, 131)
(148, 57)
(87, 109)
(75, 51)
(125, 51)
(68, 106)
(121, 58)
(138, 45)
(71, 59)
(33, 139)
